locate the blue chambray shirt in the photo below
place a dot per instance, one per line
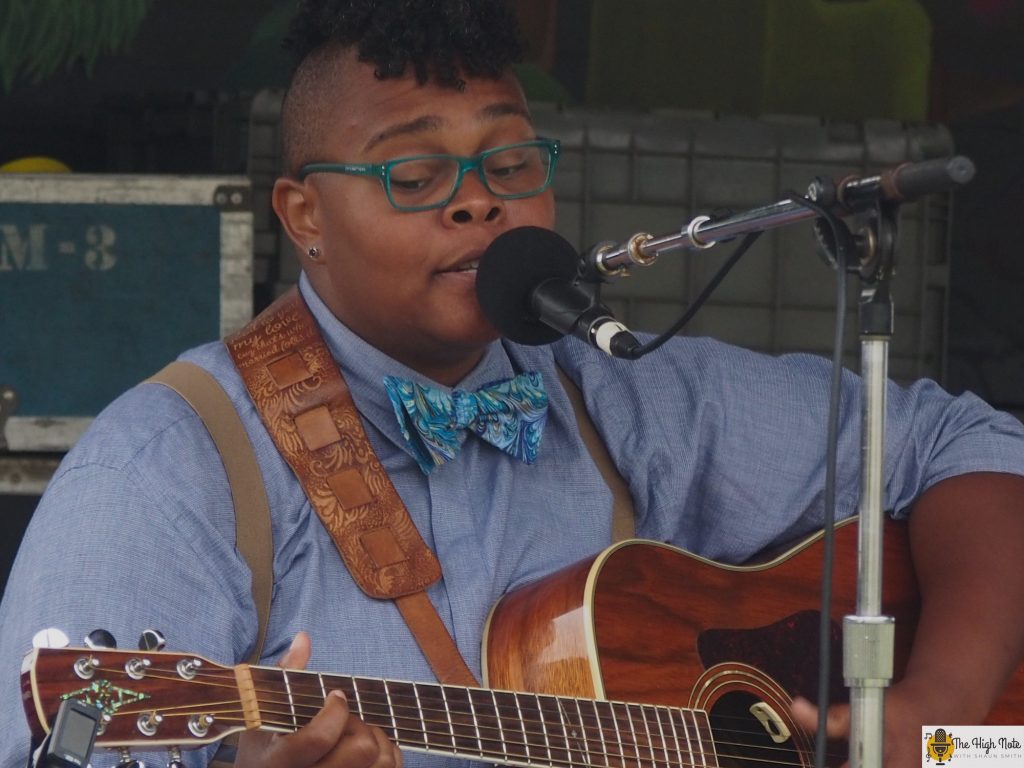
(724, 451)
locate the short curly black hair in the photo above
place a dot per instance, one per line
(439, 39)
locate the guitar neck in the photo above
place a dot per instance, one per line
(495, 726)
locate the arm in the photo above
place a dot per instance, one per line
(967, 543)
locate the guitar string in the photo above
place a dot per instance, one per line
(484, 749)
(407, 700)
(226, 679)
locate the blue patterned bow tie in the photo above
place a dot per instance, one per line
(508, 414)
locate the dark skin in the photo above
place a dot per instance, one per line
(396, 279)
(967, 544)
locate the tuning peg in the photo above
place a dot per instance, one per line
(100, 639)
(50, 638)
(126, 760)
(174, 758)
(151, 640)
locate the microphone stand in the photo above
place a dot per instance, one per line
(868, 636)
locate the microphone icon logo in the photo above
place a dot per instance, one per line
(940, 747)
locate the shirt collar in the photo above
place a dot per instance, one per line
(364, 366)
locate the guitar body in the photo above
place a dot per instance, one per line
(647, 622)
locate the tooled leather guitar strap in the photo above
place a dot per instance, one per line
(306, 406)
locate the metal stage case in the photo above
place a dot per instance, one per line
(103, 280)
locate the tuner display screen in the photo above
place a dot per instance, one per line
(73, 734)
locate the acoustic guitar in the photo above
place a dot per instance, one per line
(644, 655)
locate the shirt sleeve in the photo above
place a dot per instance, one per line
(725, 449)
(128, 537)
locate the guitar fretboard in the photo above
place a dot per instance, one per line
(497, 726)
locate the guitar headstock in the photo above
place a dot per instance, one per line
(148, 698)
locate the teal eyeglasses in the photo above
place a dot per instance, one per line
(422, 182)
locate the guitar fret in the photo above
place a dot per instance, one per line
(465, 728)
(680, 717)
(675, 736)
(703, 727)
(522, 724)
(564, 720)
(373, 698)
(448, 714)
(489, 727)
(555, 733)
(565, 731)
(618, 732)
(291, 699)
(433, 703)
(586, 739)
(391, 711)
(360, 711)
(274, 701)
(693, 738)
(543, 728)
(700, 739)
(600, 734)
(419, 709)
(323, 689)
(511, 722)
(639, 737)
(661, 731)
(476, 723)
(647, 733)
(632, 731)
(501, 727)
(306, 690)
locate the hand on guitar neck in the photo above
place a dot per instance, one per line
(334, 738)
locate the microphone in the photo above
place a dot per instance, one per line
(527, 287)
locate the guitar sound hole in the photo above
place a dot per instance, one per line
(744, 741)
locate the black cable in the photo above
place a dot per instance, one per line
(654, 343)
(842, 250)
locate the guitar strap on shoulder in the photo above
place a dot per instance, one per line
(623, 512)
(308, 410)
(291, 378)
(253, 535)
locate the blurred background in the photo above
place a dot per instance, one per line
(667, 109)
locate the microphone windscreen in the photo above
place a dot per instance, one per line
(511, 269)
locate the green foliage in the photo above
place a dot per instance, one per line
(39, 36)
